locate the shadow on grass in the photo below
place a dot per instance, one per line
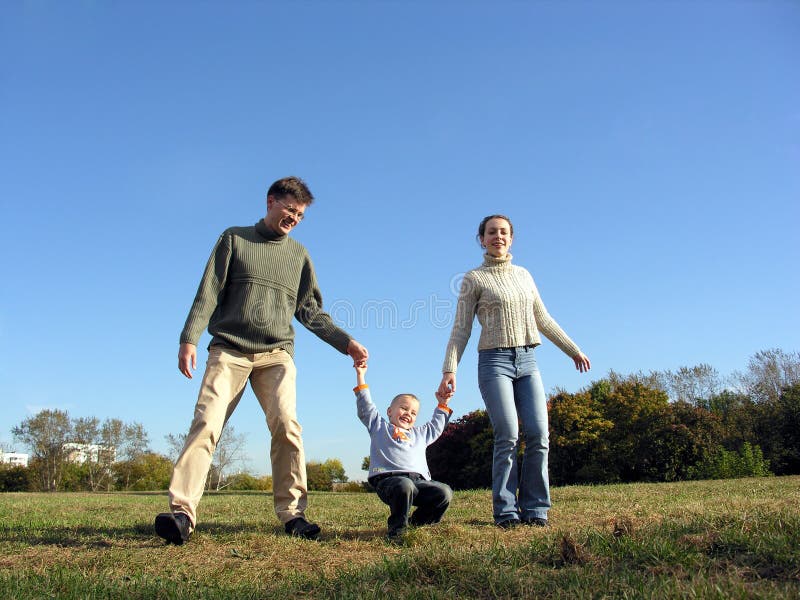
(102, 537)
(165, 493)
(480, 522)
(92, 536)
(144, 534)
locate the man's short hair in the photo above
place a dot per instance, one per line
(291, 186)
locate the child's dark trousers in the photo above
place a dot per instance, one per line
(401, 491)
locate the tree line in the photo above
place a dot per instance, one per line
(85, 454)
(81, 453)
(659, 426)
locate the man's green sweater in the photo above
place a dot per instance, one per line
(254, 283)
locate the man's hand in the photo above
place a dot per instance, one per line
(187, 359)
(357, 352)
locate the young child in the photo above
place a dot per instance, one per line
(398, 469)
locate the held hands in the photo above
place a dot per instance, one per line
(359, 355)
(361, 372)
(357, 352)
(447, 387)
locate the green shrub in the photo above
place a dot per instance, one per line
(14, 479)
(245, 481)
(350, 486)
(748, 461)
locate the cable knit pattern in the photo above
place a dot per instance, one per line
(509, 309)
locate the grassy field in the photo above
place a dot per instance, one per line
(711, 539)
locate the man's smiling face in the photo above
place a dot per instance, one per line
(283, 214)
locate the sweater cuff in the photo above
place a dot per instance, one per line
(358, 388)
(445, 408)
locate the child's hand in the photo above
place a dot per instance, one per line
(361, 370)
(443, 398)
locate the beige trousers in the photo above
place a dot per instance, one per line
(272, 376)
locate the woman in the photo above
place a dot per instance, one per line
(511, 314)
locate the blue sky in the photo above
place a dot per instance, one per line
(647, 153)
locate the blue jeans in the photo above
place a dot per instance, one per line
(512, 390)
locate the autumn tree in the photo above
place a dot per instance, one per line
(121, 443)
(637, 413)
(462, 456)
(693, 385)
(147, 471)
(655, 380)
(738, 415)
(620, 429)
(688, 434)
(246, 481)
(777, 431)
(135, 441)
(322, 476)
(175, 444)
(577, 443)
(97, 471)
(788, 463)
(45, 435)
(768, 373)
(14, 478)
(49, 435)
(228, 453)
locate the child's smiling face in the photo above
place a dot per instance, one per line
(403, 411)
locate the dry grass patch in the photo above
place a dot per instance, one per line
(703, 539)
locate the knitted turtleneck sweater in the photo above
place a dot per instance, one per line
(254, 283)
(509, 309)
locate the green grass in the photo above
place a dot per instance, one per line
(710, 539)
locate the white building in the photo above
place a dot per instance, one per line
(83, 453)
(15, 459)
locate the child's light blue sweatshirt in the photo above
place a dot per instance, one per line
(394, 449)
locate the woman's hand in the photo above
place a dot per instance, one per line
(582, 362)
(448, 385)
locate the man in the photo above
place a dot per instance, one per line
(256, 280)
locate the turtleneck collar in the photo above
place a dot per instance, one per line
(267, 233)
(496, 261)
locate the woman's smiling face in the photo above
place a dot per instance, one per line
(497, 237)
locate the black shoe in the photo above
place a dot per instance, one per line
(396, 536)
(299, 527)
(173, 527)
(508, 523)
(417, 522)
(536, 522)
